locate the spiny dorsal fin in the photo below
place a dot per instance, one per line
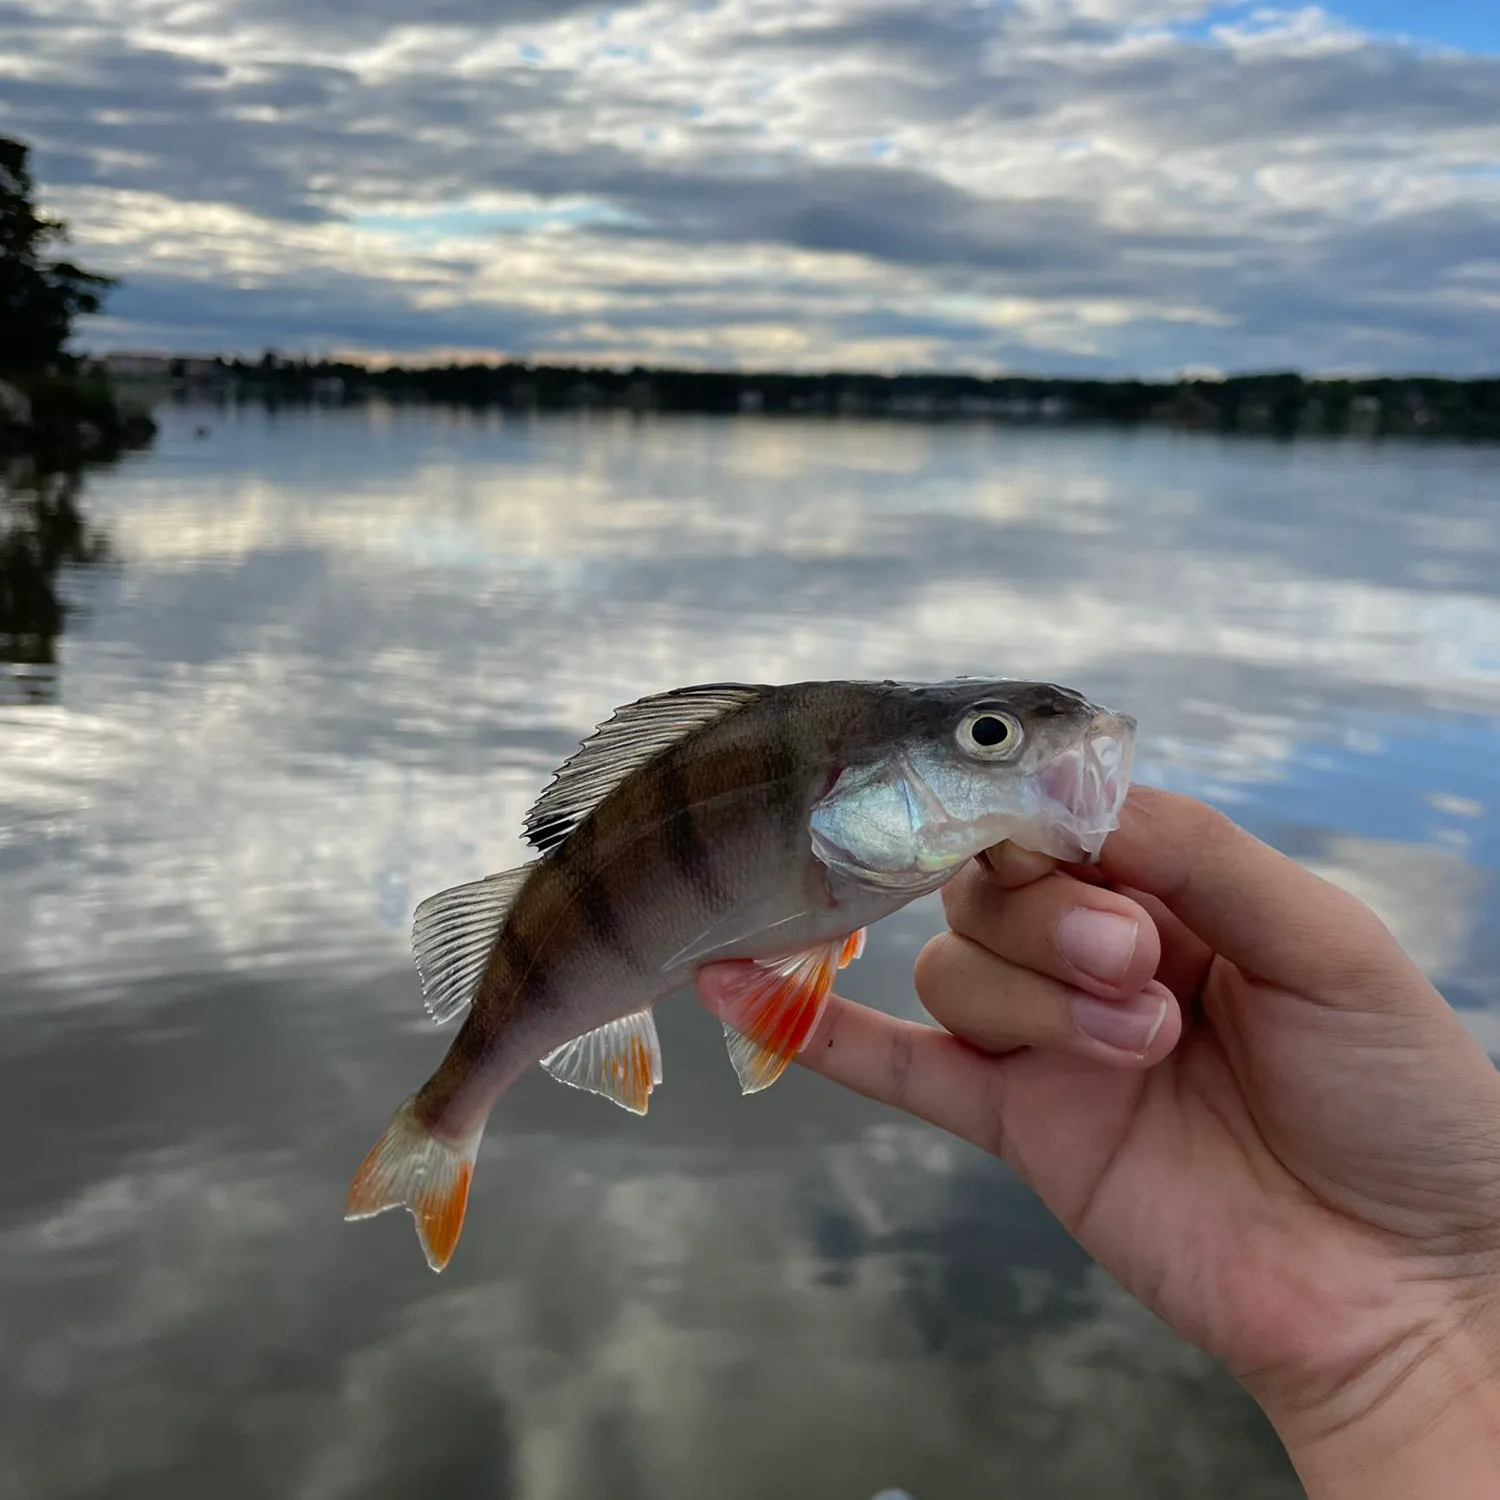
(621, 1060)
(452, 935)
(623, 744)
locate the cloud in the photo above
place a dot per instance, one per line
(1049, 184)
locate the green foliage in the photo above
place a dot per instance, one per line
(39, 298)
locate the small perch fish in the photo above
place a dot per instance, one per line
(726, 821)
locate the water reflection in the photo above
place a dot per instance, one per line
(816, 1301)
(345, 650)
(42, 531)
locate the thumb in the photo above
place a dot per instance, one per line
(1267, 915)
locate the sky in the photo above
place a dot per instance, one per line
(1103, 187)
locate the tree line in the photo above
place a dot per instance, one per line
(1280, 403)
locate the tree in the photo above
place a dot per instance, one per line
(39, 298)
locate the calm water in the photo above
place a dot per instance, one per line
(317, 666)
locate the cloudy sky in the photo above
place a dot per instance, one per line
(1104, 186)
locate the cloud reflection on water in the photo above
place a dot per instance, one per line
(342, 655)
(631, 1320)
(339, 657)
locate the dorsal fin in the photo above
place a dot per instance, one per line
(452, 934)
(623, 744)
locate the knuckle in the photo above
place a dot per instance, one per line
(974, 907)
(990, 1134)
(899, 1066)
(1187, 837)
(969, 883)
(1357, 955)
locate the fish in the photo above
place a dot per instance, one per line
(768, 822)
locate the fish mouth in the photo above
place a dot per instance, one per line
(1085, 787)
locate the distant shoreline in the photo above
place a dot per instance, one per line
(1278, 404)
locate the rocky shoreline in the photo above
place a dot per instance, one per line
(64, 420)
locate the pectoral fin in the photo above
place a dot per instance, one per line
(775, 1007)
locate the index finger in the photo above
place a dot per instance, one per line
(925, 1071)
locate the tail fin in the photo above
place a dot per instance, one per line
(410, 1168)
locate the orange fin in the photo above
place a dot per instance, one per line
(410, 1168)
(621, 1060)
(775, 1007)
(854, 945)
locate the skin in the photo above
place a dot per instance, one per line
(1293, 1157)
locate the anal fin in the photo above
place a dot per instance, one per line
(620, 1060)
(775, 1005)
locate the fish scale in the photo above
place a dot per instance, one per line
(765, 823)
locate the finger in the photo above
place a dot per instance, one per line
(1262, 911)
(998, 1005)
(1008, 866)
(915, 1068)
(1086, 936)
(1185, 957)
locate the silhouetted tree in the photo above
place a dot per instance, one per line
(39, 298)
(42, 531)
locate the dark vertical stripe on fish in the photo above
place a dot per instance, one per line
(781, 754)
(592, 870)
(686, 846)
(598, 907)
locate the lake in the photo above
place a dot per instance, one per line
(315, 667)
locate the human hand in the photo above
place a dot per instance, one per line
(1228, 1081)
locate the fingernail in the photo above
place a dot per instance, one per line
(1126, 1025)
(1097, 943)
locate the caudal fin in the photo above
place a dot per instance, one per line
(410, 1168)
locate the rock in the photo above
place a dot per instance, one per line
(137, 430)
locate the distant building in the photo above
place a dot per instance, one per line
(196, 367)
(1365, 413)
(150, 365)
(130, 362)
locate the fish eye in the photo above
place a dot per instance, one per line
(988, 733)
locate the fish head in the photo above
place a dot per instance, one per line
(946, 770)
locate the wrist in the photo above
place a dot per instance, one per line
(1422, 1421)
